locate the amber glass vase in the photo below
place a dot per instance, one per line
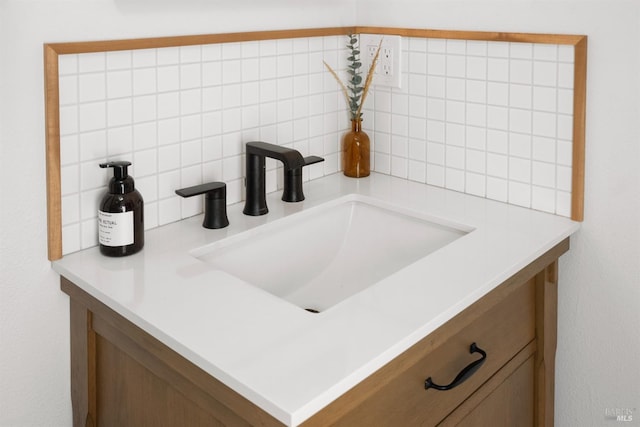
(356, 157)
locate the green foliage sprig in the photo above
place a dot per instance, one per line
(356, 89)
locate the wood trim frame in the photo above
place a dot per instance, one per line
(52, 113)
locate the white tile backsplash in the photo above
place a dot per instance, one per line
(493, 119)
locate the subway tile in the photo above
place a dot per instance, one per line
(417, 171)
(436, 153)
(497, 141)
(168, 78)
(231, 51)
(544, 149)
(144, 108)
(168, 131)
(563, 203)
(68, 89)
(92, 87)
(190, 127)
(543, 174)
(544, 124)
(89, 233)
(454, 157)
(520, 120)
(498, 49)
(168, 105)
(476, 137)
(146, 163)
(543, 199)
(68, 120)
(93, 145)
(565, 75)
(119, 141)
(399, 167)
(498, 94)
(231, 71)
(169, 210)
(475, 184)
(119, 112)
(476, 161)
(168, 55)
(145, 135)
(519, 170)
(520, 145)
(519, 194)
(436, 64)
(521, 50)
(455, 89)
(436, 87)
(119, 84)
(477, 48)
(190, 76)
(67, 64)
(476, 91)
(418, 62)
(92, 116)
(212, 73)
(231, 95)
(564, 153)
(91, 62)
(545, 98)
(69, 149)
(497, 165)
(498, 70)
(497, 189)
(71, 238)
(565, 127)
(566, 53)
(455, 134)
(435, 175)
(456, 66)
(454, 179)
(545, 73)
(144, 81)
(565, 101)
(476, 115)
(545, 52)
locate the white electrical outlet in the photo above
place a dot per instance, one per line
(388, 72)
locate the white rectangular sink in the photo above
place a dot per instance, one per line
(323, 255)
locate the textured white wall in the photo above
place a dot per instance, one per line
(599, 306)
(34, 338)
(600, 292)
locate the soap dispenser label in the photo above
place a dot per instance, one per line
(115, 229)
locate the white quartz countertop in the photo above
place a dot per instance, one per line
(284, 359)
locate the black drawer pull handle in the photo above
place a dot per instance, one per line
(464, 375)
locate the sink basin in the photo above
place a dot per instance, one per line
(323, 255)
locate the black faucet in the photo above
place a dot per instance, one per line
(215, 202)
(256, 203)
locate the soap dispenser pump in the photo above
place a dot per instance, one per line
(121, 214)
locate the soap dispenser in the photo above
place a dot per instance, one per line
(121, 214)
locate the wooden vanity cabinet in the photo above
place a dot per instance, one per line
(121, 376)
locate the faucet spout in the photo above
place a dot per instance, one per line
(293, 161)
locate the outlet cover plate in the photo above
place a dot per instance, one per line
(388, 72)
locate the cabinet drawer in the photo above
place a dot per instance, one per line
(499, 328)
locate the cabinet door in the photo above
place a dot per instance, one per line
(509, 405)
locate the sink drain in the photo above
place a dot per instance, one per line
(312, 310)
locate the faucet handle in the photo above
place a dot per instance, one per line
(292, 191)
(309, 160)
(215, 202)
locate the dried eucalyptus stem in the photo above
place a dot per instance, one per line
(354, 91)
